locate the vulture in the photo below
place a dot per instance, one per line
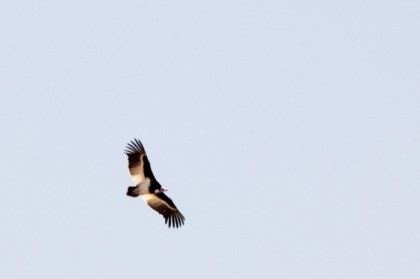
(148, 187)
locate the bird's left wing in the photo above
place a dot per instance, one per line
(164, 205)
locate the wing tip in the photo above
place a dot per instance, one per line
(134, 147)
(174, 220)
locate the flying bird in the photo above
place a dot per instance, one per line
(148, 187)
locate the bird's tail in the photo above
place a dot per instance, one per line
(133, 191)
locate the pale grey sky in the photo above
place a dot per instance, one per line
(287, 132)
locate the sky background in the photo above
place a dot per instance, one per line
(287, 133)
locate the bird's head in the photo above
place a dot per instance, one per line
(160, 190)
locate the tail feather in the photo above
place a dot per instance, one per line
(133, 191)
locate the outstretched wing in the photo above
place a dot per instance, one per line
(138, 163)
(164, 205)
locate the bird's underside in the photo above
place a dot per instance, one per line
(148, 187)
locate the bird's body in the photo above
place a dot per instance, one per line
(141, 189)
(148, 187)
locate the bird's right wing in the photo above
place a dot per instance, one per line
(138, 163)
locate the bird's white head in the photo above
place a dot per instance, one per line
(160, 190)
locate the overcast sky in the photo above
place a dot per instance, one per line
(287, 133)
